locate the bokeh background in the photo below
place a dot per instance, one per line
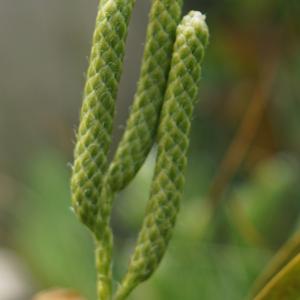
(241, 202)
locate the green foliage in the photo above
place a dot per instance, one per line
(214, 253)
(92, 186)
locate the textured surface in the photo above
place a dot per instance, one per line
(141, 127)
(93, 182)
(173, 141)
(94, 133)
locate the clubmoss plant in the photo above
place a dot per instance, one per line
(162, 111)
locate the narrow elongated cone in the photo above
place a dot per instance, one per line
(94, 134)
(141, 127)
(173, 142)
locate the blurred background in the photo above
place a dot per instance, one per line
(241, 200)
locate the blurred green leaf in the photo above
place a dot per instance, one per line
(56, 246)
(285, 254)
(285, 285)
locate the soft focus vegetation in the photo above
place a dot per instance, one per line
(239, 220)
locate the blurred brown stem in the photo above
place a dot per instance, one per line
(245, 134)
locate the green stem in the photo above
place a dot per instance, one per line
(104, 244)
(104, 274)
